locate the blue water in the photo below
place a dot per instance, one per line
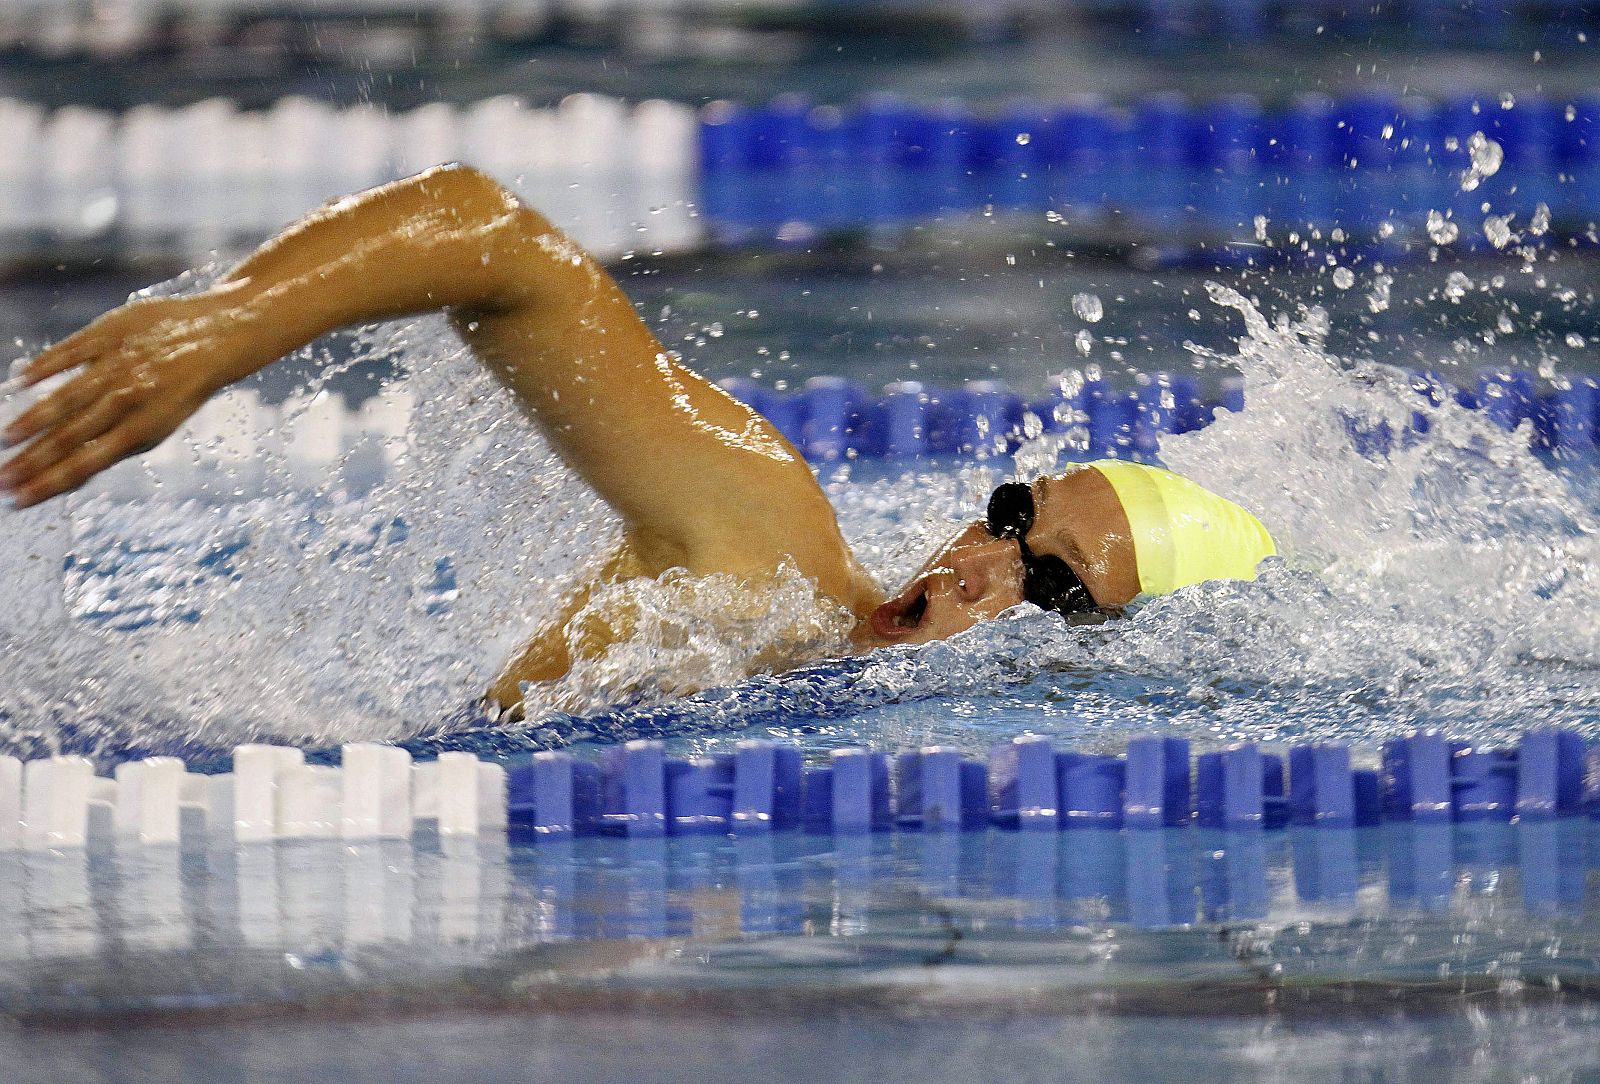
(1448, 581)
(665, 1042)
(1395, 953)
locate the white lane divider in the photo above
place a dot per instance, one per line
(376, 799)
(208, 177)
(60, 798)
(10, 803)
(461, 793)
(223, 452)
(272, 794)
(152, 795)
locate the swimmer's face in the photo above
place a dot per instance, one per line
(976, 577)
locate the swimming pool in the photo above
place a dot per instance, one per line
(1450, 585)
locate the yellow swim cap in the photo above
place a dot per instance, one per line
(1182, 532)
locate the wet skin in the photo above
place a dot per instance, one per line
(718, 491)
(976, 577)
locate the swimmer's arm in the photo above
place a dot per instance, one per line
(700, 480)
(434, 241)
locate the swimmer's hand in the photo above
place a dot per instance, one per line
(136, 374)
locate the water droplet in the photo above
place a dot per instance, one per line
(1378, 297)
(1441, 230)
(1497, 228)
(1088, 308)
(1486, 155)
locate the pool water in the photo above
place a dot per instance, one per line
(668, 1043)
(1444, 578)
(1395, 953)
(992, 300)
(1447, 581)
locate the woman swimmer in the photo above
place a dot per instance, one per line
(722, 491)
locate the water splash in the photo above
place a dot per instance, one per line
(325, 617)
(1443, 577)
(1485, 157)
(1439, 578)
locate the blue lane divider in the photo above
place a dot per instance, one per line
(1323, 791)
(1156, 793)
(1025, 788)
(1027, 784)
(768, 788)
(1186, 170)
(833, 418)
(1164, 25)
(1151, 878)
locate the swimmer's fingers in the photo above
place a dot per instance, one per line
(60, 441)
(80, 460)
(113, 333)
(54, 408)
(76, 349)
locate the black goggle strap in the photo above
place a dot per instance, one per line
(1047, 582)
(1050, 584)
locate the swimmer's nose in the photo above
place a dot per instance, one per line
(988, 569)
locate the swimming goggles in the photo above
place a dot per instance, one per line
(1047, 582)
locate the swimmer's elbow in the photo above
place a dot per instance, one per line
(465, 192)
(462, 178)
(469, 189)
(518, 231)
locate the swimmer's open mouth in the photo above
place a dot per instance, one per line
(903, 615)
(912, 618)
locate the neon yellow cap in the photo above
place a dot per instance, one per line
(1182, 532)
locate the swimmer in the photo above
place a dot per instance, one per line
(720, 490)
